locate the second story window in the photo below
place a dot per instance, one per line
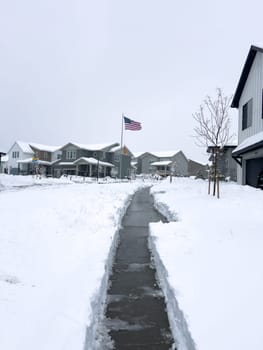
(15, 154)
(247, 114)
(71, 154)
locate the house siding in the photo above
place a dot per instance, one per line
(181, 164)
(252, 89)
(13, 167)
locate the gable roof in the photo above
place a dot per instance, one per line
(24, 147)
(93, 147)
(245, 72)
(46, 148)
(165, 154)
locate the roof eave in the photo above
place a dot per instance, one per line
(247, 149)
(244, 75)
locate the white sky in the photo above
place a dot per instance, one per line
(69, 69)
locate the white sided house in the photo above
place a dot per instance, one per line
(32, 158)
(19, 151)
(248, 99)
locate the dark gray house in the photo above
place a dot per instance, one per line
(197, 169)
(226, 164)
(162, 163)
(96, 160)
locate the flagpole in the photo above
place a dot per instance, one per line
(121, 145)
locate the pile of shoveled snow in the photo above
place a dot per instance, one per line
(55, 245)
(9, 181)
(211, 264)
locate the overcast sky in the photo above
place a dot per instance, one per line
(69, 69)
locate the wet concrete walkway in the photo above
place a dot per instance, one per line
(136, 310)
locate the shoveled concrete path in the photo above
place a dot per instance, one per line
(136, 311)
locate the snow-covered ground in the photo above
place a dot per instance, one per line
(211, 264)
(55, 243)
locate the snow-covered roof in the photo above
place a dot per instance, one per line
(250, 141)
(162, 163)
(66, 163)
(4, 158)
(25, 147)
(93, 161)
(118, 148)
(45, 147)
(137, 154)
(94, 147)
(165, 154)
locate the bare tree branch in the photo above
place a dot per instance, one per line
(212, 125)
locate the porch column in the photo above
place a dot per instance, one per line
(90, 170)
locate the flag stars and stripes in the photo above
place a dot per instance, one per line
(131, 124)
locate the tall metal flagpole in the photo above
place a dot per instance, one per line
(121, 145)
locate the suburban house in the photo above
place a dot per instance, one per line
(227, 166)
(197, 169)
(248, 99)
(143, 162)
(31, 158)
(96, 160)
(20, 151)
(162, 163)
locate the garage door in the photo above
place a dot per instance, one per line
(253, 169)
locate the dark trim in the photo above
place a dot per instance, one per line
(244, 75)
(238, 160)
(248, 149)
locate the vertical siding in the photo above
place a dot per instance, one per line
(253, 89)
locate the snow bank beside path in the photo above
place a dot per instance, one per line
(10, 181)
(54, 245)
(214, 262)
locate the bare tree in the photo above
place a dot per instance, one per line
(212, 130)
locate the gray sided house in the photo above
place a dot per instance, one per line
(248, 99)
(226, 164)
(97, 160)
(197, 169)
(122, 161)
(162, 163)
(144, 163)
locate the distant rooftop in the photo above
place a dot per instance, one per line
(95, 147)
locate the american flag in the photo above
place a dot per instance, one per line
(131, 124)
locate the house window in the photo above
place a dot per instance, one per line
(116, 157)
(247, 115)
(15, 154)
(71, 155)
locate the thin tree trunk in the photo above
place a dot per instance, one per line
(217, 186)
(215, 174)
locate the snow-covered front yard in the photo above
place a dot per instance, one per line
(56, 245)
(214, 261)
